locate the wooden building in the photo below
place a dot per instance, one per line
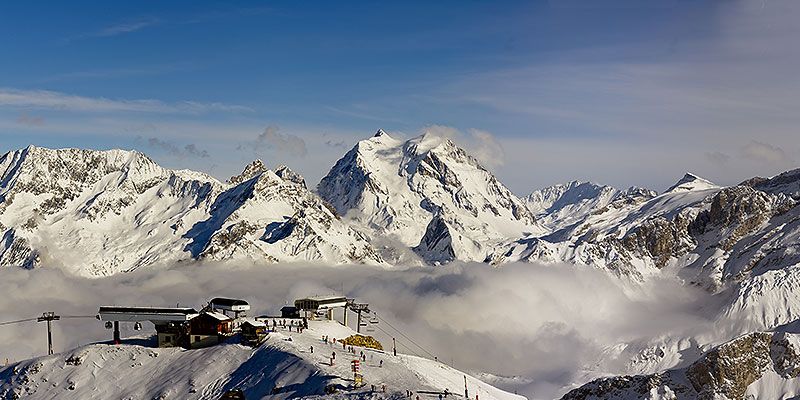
(290, 312)
(171, 334)
(208, 328)
(253, 332)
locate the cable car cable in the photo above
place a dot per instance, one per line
(404, 335)
(18, 321)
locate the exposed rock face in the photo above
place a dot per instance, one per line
(436, 246)
(726, 372)
(787, 183)
(290, 176)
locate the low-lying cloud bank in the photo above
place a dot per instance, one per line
(548, 324)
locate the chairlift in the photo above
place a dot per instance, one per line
(109, 325)
(137, 326)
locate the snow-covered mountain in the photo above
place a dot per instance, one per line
(715, 235)
(282, 367)
(561, 205)
(97, 213)
(428, 194)
(760, 365)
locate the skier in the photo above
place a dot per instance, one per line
(381, 365)
(312, 349)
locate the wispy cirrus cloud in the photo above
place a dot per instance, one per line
(127, 27)
(30, 120)
(45, 99)
(119, 28)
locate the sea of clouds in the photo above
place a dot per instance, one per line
(548, 326)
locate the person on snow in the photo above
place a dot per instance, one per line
(312, 349)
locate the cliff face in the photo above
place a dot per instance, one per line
(746, 366)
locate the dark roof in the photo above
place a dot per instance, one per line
(288, 308)
(223, 301)
(147, 310)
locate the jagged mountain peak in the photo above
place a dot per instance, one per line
(288, 175)
(691, 182)
(255, 167)
(560, 205)
(787, 183)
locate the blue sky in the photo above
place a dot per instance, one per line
(619, 92)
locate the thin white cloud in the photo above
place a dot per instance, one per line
(118, 29)
(481, 144)
(764, 152)
(127, 27)
(45, 99)
(271, 139)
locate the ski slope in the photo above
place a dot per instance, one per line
(282, 367)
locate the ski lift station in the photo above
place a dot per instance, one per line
(223, 317)
(239, 308)
(179, 326)
(312, 307)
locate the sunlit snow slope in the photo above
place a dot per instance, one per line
(282, 367)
